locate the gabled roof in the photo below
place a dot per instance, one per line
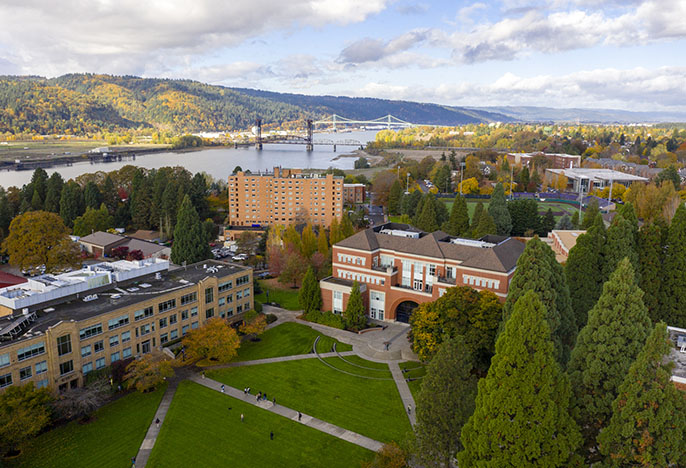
(102, 239)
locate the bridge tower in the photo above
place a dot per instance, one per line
(258, 134)
(334, 123)
(309, 143)
(389, 121)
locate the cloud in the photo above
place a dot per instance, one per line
(374, 50)
(134, 36)
(412, 9)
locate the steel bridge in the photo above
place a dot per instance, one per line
(388, 121)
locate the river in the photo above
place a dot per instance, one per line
(220, 162)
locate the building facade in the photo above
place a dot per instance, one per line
(284, 196)
(399, 267)
(584, 179)
(555, 160)
(354, 193)
(57, 335)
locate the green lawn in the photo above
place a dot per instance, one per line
(287, 339)
(200, 430)
(367, 406)
(109, 441)
(542, 207)
(415, 370)
(286, 298)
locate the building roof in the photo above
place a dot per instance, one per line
(494, 253)
(146, 235)
(598, 174)
(147, 248)
(567, 238)
(102, 239)
(8, 279)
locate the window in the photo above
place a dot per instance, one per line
(25, 373)
(239, 295)
(42, 383)
(229, 299)
(225, 286)
(144, 313)
(126, 352)
(86, 350)
(229, 312)
(146, 346)
(337, 302)
(167, 305)
(118, 322)
(64, 345)
(184, 315)
(5, 380)
(114, 340)
(184, 330)
(66, 367)
(194, 311)
(209, 295)
(41, 367)
(30, 351)
(172, 319)
(126, 336)
(243, 280)
(98, 346)
(189, 298)
(164, 337)
(145, 329)
(163, 322)
(239, 309)
(194, 325)
(100, 363)
(209, 313)
(87, 367)
(114, 357)
(222, 301)
(88, 332)
(246, 292)
(432, 270)
(4, 360)
(174, 334)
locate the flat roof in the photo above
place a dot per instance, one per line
(599, 174)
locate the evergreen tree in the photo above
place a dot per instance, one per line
(458, 222)
(347, 228)
(335, 232)
(355, 318)
(614, 335)
(190, 244)
(308, 244)
(584, 272)
(5, 213)
(426, 219)
(476, 216)
(322, 244)
(442, 213)
(521, 416)
(409, 203)
(538, 271)
(674, 279)
(648, 424)
(36, 201)
(310, 295)
(525, 217)
(497, 208)
(39, 182)
(445, 403)
(620, 243)
(53, 193)
(71, 203)
(122, 217)
(110, 195)
(548, 223)
(486, 226)
(198, 194)
(141, 200)
(629, 213)
(394, 198)
(575, 220)
(651, 257)
(565, 223)
(92, 196)
(592, 211)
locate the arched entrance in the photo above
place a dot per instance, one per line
(404, 310)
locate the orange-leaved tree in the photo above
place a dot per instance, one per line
(215, 341)
(147, 372)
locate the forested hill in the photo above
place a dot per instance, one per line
(87, 103)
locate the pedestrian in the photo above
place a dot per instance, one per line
(157, 422)
(203, 374)
(274, 401)
(257, 398)
(245, 391)
(300, 416)
(409, 409)
(248, 390)
(241, 417)
(133, 462)
(230, 408)
(222, 388)
(265, 395)
(271, 435)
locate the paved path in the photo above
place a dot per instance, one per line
(291, 414)
(294, 357)
(404, 390)
(153, 430)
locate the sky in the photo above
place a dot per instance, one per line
(628, 54)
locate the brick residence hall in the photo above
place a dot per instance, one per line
(399, 267)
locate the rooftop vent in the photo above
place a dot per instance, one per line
(472, 243)
(401, 233)
(90, 297)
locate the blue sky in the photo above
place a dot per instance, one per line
(561, 53)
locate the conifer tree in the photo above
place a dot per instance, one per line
(458, 222)
(355, 318)
(335, 232)
(426, 220)
(497, 208)
(394, 198)
(347, 228)
(190, 243)
(575, 220)
(651, 258)
(547, 223)
(521, 416)
(629, 213)
(110, 196)
(648, 424)
(674, 285)
(308, 244)
(538, 271)
(584, 272)
(616, 331)
(565, 223)
(310, 296)
(476, 216)
(91, 196)
(53, 193)
(486, 226)
(445, 403)
(592, 211)
(322, 243)
(71, 203)
(620, 243)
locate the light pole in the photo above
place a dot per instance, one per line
(462, 164)
(407, 187)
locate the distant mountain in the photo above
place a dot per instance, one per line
(573, 115)
(88, 103)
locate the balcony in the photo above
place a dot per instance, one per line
(385, 269)
(426, 289)
(445, 280)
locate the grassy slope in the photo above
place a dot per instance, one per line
(200, 430)
(286, 298)
(369, 407)
(109, 441)
(414, 370)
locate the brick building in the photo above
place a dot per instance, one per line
(399, 267)
(354, 193)
(284, 196)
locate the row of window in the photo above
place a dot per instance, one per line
(360, 278)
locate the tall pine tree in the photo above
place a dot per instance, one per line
(190, 243)
(310, 296)
(497, 208)
(651, 254)
(476, 217)
(426, 219)
(620, 243)
(458, 222)
(521, 416)
(355, 318)
(674, 285)
(614, 335)
(584, 272)
(648, 424)
(592, 212)
(395, 195)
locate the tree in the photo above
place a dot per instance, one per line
(394, 197)
(141, 201)
(347, 228)
(614, 335)
(486, 226)
(620, 242)
(110, 196)
(458, 223)
(322, 243)
(475, 315)
(650, 258)
(308, 244)
(335, 232)
(81, 402)
(575, 220)
(521, 416)
(476, 216)
(497, 208)
(524, 216)
(445, 403)
(198, 194)
(310, 295)
(293, 266)
(40, 238)
(669, 174)
(254, 324)
(190, 243)
(215, 341)
(538, 271)
(71, 202)
(648, 424)
(426, 219)
(93, 220)
(24, 412)
(584, 272)
(391, 455)
(469, 186)
(547, 223)
(92, 196)
(592, 211)
(53, 193)
(565, 223)
(147, 372)
(355, 318)
(408, 204)
(674, 279)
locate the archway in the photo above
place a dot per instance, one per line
(404, 310)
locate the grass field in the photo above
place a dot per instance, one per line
(109, 441)
(557, 207)
(415, 370)
(287, 339)
(367, 406)
(200, 430)
(286, 297)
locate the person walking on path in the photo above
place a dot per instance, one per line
(203, 374)
(157, 422)
(241, 417)
(409, 409)
(274, 401)
(300, 416)
(222, 388)
(271, 435)
(133, 462)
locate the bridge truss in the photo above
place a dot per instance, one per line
(389, 121)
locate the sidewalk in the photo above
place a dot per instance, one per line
(294, 357)
(404, 390)
(153, 430)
